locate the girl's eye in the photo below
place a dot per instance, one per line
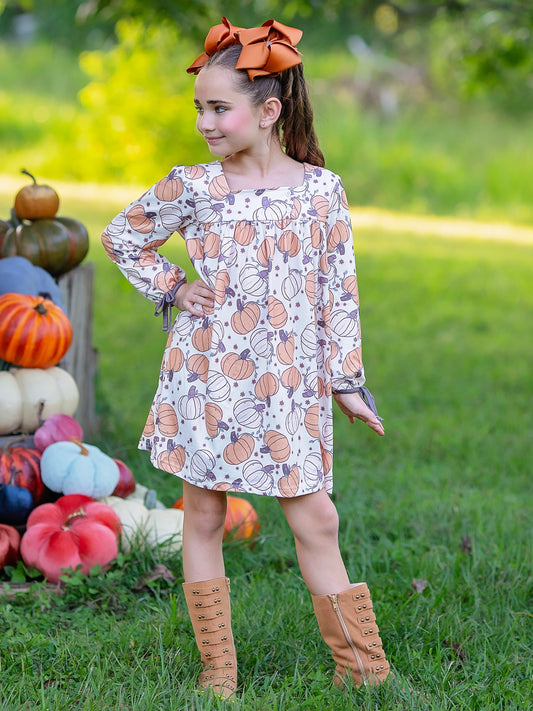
(220, 109)
(198, 109)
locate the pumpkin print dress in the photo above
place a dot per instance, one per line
(244, 396)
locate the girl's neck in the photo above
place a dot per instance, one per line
(271, 170)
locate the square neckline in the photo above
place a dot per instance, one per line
(299, 186)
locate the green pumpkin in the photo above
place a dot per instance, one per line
(57, 245)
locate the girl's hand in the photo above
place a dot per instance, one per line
(195, 297)
(353, 405)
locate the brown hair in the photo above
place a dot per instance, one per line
(295, 124)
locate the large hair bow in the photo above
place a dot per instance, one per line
(266, 50)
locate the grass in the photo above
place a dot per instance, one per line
(444, 498)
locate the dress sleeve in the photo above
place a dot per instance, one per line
(133, 237)
(340, 314)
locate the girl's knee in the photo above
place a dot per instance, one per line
(312, 516)
(204, 510)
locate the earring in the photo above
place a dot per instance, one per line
(262, 124)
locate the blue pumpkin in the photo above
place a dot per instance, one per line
(78, 468)
(19, 276)
(15, 504)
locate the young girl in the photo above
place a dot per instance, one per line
(265, 337)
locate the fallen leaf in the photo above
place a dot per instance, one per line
(159, 572)
(419, 584)
(466, 544)
(456, 648)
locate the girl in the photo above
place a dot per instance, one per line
(266, 335)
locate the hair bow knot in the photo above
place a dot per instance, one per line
(266, 50)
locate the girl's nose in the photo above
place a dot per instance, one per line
(205, 122)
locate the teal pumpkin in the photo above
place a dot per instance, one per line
(78, 468)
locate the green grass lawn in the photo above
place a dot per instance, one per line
(445, 498)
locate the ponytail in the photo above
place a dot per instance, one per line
(295, 124)
(297, 134)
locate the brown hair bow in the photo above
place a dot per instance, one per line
(266, 50)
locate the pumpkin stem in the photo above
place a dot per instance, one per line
(84, 449)
(79, 513)
(25, 172)
(10, 442)
(41, 308)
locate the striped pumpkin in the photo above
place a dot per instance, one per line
(34, 332)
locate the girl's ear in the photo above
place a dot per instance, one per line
(270, 113)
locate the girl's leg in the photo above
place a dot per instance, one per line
(204, 512)
(314, 522)
(207, 589)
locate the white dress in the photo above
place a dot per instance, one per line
(244, 396)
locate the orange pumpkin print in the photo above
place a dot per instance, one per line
(266, 251)
(195, 171)
(149, 427)
(316, 235)
(246, 317)
(277, 313)
(349, 284)
(338, 234)
(311, 421)
(277, 445)
(195, 248)
(222, 288)
(168, 189)
(244, 233)
(109, 247)
(289, 482)
(218, 188)
(291, 379)
(198, 367)
(321, 207)
(172, 460)
(240, 449)
(211, 244)
(266, 387)
(201, 337)
(213, 419)
(140, 220)
(310, 287)
(352, 364)
(174, 359)
(166, 280)
(289, 244)
(285, 349)
(167, 420)
(238, 366)
(327, 459)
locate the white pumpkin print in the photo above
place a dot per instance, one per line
(291, 284)
(251, 280)
(248, 413)
(260, 342)
(218, 386)
(192, 405)
(205, 212)
(202, 465)
(293, 418)
(171, 217)
(327, 432)
(312, 469)
(137, 280)
(184, 323)
(345, 324)
(308, 340)
(228, 252)
(258, 476)
(117, 224)
(271, 210)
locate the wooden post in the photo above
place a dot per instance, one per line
(81, 359)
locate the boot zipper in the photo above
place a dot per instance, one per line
(357, 656)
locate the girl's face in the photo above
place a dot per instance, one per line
(226, 118)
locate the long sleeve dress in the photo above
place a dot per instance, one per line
(244, 396)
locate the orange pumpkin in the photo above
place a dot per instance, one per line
(244, 232)
(173, 460)
(321, 206)
(201, 337)
(211, 244)
(35, 202)
(266, 386)
(34, 332)
(316, 235)
(140, 220)
(311, 421)
(168, 189)
(167, 420)
(288, 484)
(222, 287)
(218, 188)
(289, 244)
(195, 171)
(352, 363)
(277, 445)
(291, 379)
(240, 449)
(241, 523)
(238, 366)
(174, 360)
(285, 349)
(338, 234)
(149, 427)
(265, 251)
(245, 318)
(198, 366)
(195, 248)
(277, 314)
(213, 419)
(349, 285)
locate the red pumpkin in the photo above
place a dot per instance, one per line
(74, 531)
(9, 545)
(126, 480)
(57, 428)
(241, 523)
(21, 466)
(34, 332)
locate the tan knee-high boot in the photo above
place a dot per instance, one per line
(348, 626)
(209, 608)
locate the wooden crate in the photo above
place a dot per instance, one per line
(81, 359)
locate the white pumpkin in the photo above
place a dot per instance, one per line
(30, 395)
